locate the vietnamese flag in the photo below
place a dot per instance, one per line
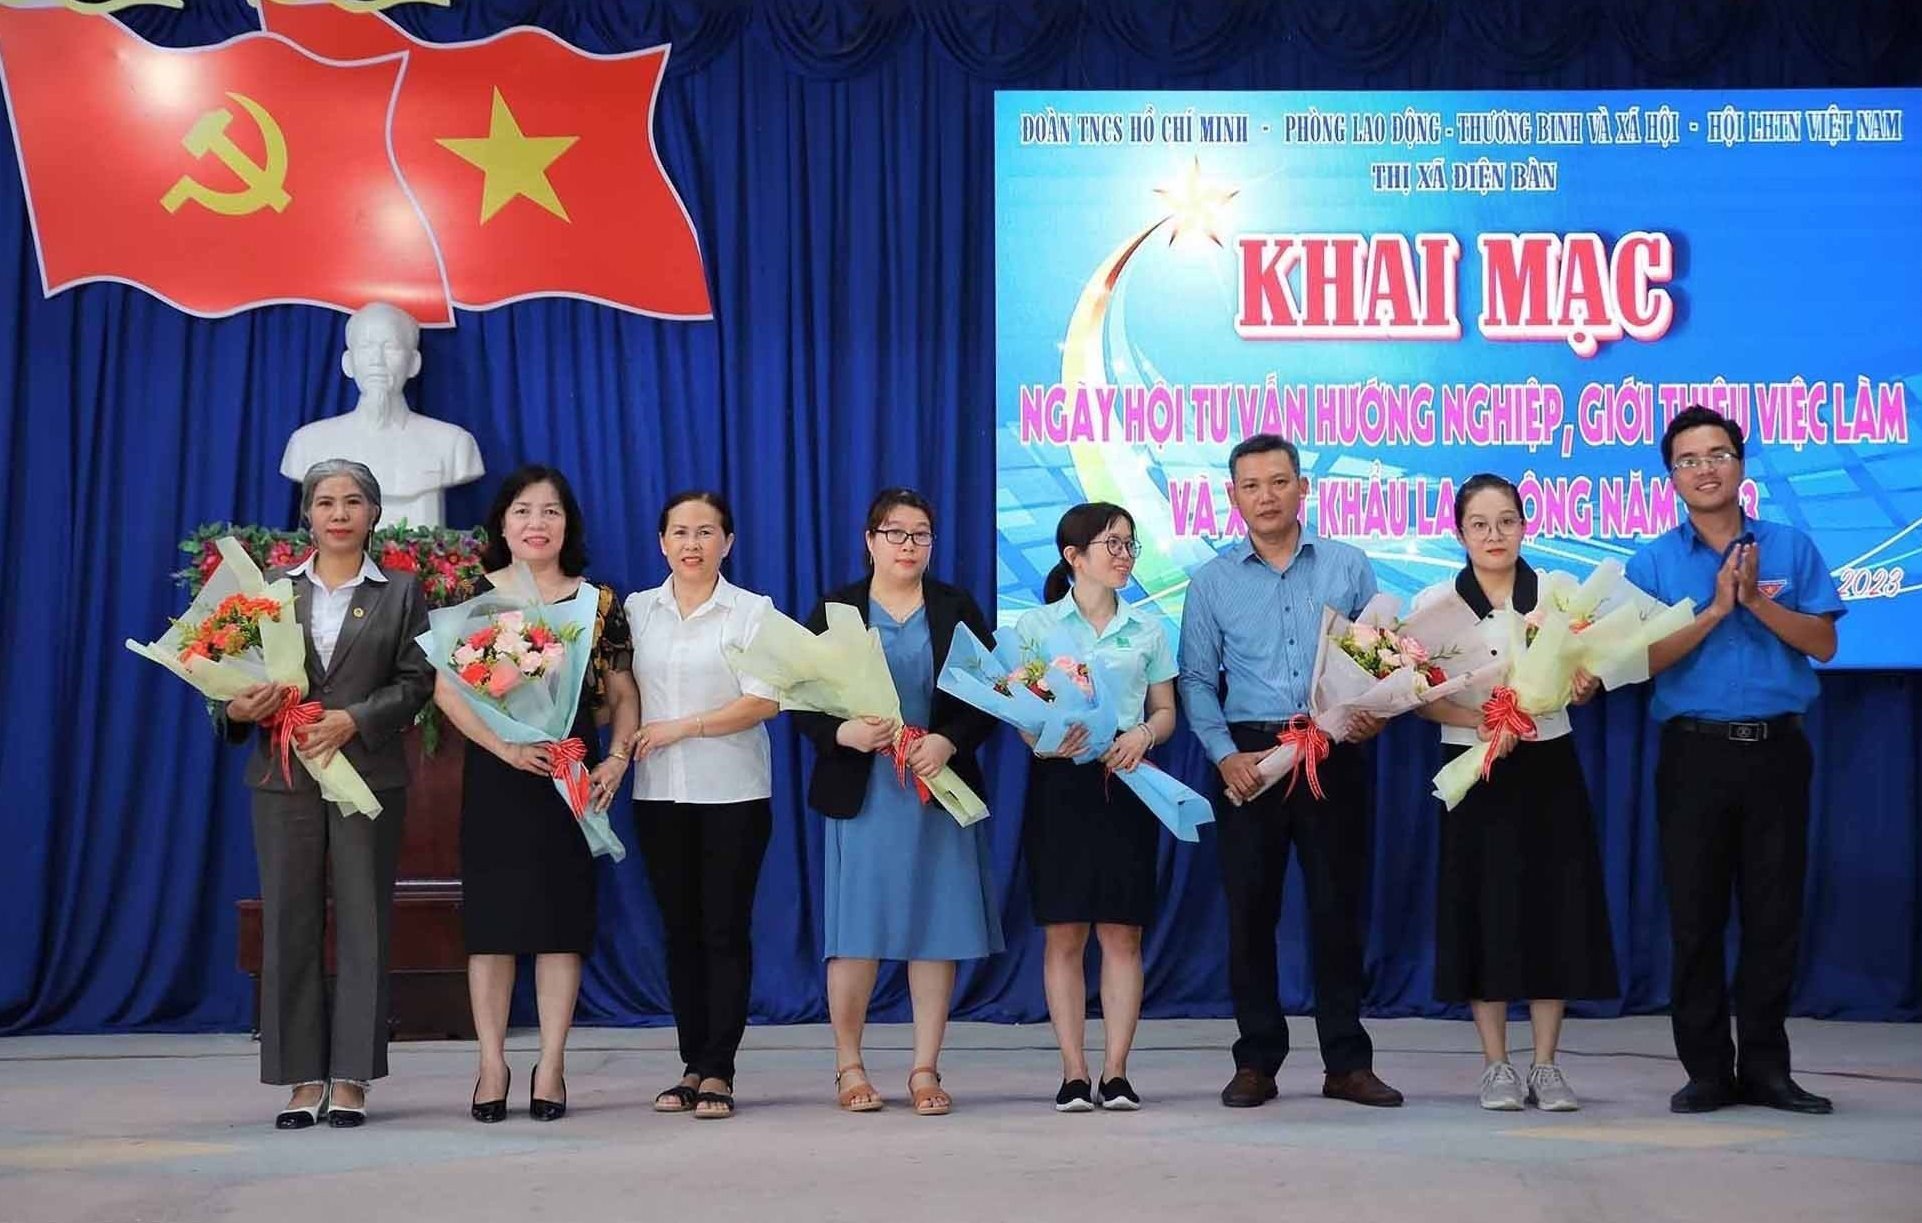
(216, 178)
(534, 162)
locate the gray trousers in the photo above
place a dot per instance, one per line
(296, 838)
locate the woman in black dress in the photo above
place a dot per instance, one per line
(1091, 844)
(1520, 908)
(527, 876)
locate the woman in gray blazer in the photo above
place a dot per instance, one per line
(370, 679)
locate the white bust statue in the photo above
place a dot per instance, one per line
(413, 456)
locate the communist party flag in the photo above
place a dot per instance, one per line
(534, 162)
(215, 178)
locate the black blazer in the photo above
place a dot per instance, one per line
(841, 774)
(379, 676)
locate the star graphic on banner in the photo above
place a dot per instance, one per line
(1195, 204)
(513, 162)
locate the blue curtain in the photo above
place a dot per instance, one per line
(836, 158)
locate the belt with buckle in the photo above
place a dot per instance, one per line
(1757, 731)
(1258, 728)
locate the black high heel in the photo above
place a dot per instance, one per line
(490, 1111)
(545, 1110)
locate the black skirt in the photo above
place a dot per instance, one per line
(527, 876)
(1521, 911)
(1091, 847)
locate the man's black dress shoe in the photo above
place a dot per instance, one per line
(1701, 1096)
(1782, 1093)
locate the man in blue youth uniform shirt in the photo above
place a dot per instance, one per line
(1732, 781)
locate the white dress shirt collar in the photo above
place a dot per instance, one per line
(369, 572)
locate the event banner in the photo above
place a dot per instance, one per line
(1416, 287)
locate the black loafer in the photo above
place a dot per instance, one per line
(1783, 1094)
(1701, 1096)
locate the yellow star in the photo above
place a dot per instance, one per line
(1195, 205)
(514, 164)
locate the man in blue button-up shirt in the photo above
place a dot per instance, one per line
(1732, 782)
(1254, 614)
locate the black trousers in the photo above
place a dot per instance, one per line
(703, 861)
(1331, 839)
(1734, 820)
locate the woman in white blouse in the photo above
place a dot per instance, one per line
(701, 788)
(1521, 915)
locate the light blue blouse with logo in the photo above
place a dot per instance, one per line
(1132, 645)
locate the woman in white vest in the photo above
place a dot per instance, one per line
(1520, 910)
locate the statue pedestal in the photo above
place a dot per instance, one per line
(427, 957)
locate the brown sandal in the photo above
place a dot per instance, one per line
(850, 1097)
(929, 1101)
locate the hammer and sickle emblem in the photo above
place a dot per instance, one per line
(265, 185)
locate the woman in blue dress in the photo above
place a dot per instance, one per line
(904, 880)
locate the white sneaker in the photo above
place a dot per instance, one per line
(1549, 1091)
(1501, 1089)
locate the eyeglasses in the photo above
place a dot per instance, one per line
(1714, 458)
(1482, 528)
(897, 537)
(1118, 547)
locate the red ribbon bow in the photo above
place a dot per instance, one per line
(282, 725)
(571, 773)
(903, 744)
(1311, 746)
(1503, 723)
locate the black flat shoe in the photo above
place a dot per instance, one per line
(1701, 1096)
(544, 1110)
(490, 1111)
(1118, 1095)
(1074, 1097)
(1783, 1094)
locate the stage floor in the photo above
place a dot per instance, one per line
(159, 1128)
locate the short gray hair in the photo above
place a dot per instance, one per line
(328, 468)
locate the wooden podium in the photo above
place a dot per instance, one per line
(427, 958)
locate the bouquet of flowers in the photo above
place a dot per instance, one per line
(518, 663)
(1539, 680)
(1615, 622)
(238, 632)
(1377, 664)
(1046, 699)
(1603, 625)
(508, 651)
(844, 673)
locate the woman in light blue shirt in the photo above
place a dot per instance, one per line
(1090, 843)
